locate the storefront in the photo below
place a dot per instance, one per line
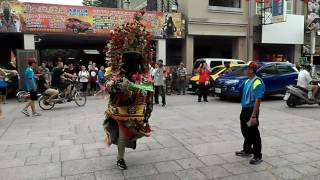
(274, 53)
(47, 26)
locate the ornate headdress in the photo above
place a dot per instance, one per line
(131, 37)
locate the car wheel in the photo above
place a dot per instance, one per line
(291, 101)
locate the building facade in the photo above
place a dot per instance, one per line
(281, 41)
(215, 29)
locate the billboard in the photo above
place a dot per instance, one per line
(283, 33)
(313, 14)
(278, 11)
(50, 18)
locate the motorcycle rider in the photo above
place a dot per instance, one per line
(305, 81)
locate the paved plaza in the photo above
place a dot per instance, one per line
(190, 141)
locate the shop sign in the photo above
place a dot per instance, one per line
(83, 20)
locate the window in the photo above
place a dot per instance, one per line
(267, 71)
(215, 63)
(289, 6)
(215, 70)
(285, 69)
(259, 8)
(225, 3)
(264, 7)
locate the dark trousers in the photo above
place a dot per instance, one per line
(159, 90)
(203, 91)
(252, 139)
(182, 85)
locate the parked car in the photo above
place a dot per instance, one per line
(78, 26)
(215, 73)
(276, 76)
(214, 62)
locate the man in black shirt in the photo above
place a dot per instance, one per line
(71, 70)
(59, 78)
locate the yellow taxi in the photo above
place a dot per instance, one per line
(215, 73)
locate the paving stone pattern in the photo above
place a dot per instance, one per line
(190, 141)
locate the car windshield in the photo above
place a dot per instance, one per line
(238, 71)
(232, 70)
(216, 70)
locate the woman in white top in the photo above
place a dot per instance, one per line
(84, 78)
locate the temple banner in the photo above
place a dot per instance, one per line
(49, 18)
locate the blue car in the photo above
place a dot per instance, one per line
(276, 76)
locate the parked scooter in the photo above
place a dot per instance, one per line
(297, 95)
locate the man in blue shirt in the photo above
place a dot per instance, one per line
(253, 91)
(31, 87)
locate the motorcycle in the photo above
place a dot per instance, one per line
(297, 95)
(76, 95)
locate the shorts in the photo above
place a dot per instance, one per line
(33, 95)
(51, 91)
(62, 86)
(3, 91)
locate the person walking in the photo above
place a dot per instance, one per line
(182, 79)
(204, 81)
(84, 79)
(93, 72)
(253, 91)
(159, 77)
(31, 87)
(108, 70)
(3, 89)
(101, 82)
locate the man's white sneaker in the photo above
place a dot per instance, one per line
(25, 112)
(36, 114)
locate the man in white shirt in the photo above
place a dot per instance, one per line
(305, 80)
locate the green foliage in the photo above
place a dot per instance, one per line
(100, 3)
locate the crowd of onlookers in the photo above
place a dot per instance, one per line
(90, 76)
(167, 80)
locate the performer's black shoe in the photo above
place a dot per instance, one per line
(121, 164)
(255, 161)
(243, 154)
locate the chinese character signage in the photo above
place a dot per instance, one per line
(278, 11)
(49, 18)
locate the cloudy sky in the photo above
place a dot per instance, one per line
(68, 2)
